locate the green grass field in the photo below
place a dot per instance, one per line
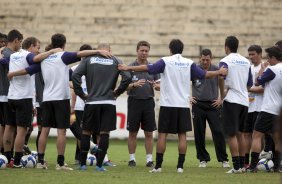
(123, 174)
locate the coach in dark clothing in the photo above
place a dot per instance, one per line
(206, 106)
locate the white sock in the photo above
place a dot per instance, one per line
(106, 159)
(132, 157)
(149, 158)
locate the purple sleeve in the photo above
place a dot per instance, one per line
(29, 58)
(197, 72)
(250, 79)
(266, 76)
(157, 67)
(32, 69)
(70, 57)
(4, 61)
(223, 64)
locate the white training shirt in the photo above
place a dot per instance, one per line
(255, 99)
(272, 91)
(21, 87)
(237, 79)
(55, 73)
(79, 103)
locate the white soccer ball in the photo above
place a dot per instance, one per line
(265, 165)
(91, 159)
(3, 162)
(34, 154)
(28, 161)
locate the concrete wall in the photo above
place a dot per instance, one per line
(199, 23)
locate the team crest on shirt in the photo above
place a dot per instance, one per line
(102, 61)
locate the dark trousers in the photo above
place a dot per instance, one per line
(202, 112)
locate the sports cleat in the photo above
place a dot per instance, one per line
(268, 155)
(100, 169)
(18, 166)
(251, 170)
(179, 170)
(41, 166)
(94, 150)
(64, 167)
(203, 164)
(234, 171)
(82, 168)
(26, 150)
(109, 163)
(225, 164)
(132, 163)
(11, 164)
(150, 164)
(156, 170)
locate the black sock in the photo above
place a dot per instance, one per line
(268, 142)
(37, 139)
(276, 160)
(17, 158)
(236, 162)
(84, 148)
(247, 158)
(159, 160)
(77, 152)
(94, 138)
(181, 160)
(76, 130)
(254, 160)
(8, 155)
(242, 161)
(41, 158)
(103, 145)
(61, 160)
(26, 139)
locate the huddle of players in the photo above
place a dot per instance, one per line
(100, 100)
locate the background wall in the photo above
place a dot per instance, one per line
(199, 23)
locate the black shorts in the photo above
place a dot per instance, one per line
(174, 120)
(7, 116)
(99, 118)
(39, 116)
(265, 122)
(234, 118)
(250, 123)
(78, 116)
(23, 109)
(141, 112)
(56, 114)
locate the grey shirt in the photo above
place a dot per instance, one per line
(146, 91)
(206, 89)
(101, 75)
(4, 81)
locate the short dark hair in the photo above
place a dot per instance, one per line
(176, 46)
(85, 47)
(3, 36)
(14, 34)
(255, 48)
(232, 43)
(28, 42)
(206, 52)
(58, 40)
(279, 44)
(142, 43)
(274, 52)
(48, 47)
